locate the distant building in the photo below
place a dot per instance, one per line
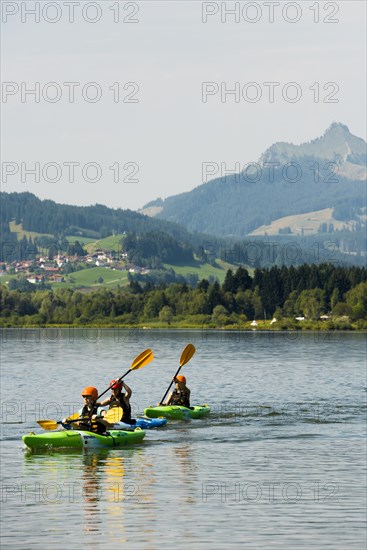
(36, 279)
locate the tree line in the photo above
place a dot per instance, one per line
(286, 292)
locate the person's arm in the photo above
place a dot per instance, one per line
(168, 400)
(127, 389)
(104, 402)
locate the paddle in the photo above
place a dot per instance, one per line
(140, 361)
(186, 355)
(53, 424)
(111, 417)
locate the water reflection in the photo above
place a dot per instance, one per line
(108, 489)
(187, 471)
(91, 492)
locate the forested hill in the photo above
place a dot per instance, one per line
(288, 180)
(49, 217)
(158, 239)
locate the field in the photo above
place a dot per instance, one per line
(303, 224)
(82, 240)
(17, 228)
(88, 278)
(204, 271)
(112, 242)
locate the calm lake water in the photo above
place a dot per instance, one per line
(279, 463)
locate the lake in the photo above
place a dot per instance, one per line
(279, 463)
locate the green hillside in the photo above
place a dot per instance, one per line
(112, 242)
(82, 240)
(20, 232)
(88, 278)
(204, 270)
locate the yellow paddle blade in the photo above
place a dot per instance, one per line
(53, 424)
(143, 359)
(186, 355)
(113, 415)
(48, 424)
(73, 416)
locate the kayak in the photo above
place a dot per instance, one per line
(144, 423)
(177, 412)
(80, 439)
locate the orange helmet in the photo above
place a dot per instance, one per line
(90, 390)
(115, 385)
(181, 378)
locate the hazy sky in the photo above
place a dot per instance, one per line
(148, 97)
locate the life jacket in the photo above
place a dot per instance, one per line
(91, 425)
(179, 398)
(119, 401)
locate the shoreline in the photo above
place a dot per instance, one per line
(310, 326)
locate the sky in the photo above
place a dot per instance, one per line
(133, 101)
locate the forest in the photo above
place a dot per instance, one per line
(335, 296)
(53, 222)
(49, 217)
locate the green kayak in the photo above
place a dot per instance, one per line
(177, 412)
(78, 439)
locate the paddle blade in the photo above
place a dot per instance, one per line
(186, 355)
(73, 416)
(53, 424)
(48, 424)
(113, 415)
(143, 359)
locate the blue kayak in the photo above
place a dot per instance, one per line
(144, 423)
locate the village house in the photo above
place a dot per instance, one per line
(56, 279)
(36, 279)
(50, 269)
(22, 267)
(61, 260)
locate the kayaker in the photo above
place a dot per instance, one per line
(91, 420)
(181, 394)
(120, 399)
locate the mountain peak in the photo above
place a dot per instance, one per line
(337, 126)
(337, 144)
